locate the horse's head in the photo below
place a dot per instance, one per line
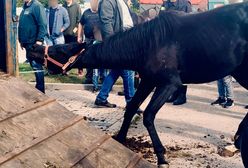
(60, 53)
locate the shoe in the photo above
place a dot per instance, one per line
(104, 104)
(229, 103)
(94, 90)
(181, 99)
(101, 80)
(219, 101)
(173, 97)
(246, 107)
(88, 81)
(121, 93)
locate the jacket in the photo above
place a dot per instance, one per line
(61, 20)
(74, 12)
(32, 23)
(111, 17)
(178, 5)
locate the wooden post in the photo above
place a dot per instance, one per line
(10, 37)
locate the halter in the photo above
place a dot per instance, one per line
(70, 61)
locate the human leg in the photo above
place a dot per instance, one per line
(128, 82)
(101, 99)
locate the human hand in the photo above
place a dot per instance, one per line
(79, 40)
(38, 42)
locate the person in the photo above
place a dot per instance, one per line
(225, 90)
(32, 30)
(70, 34)
(58, 21)
(178, 5)
(115, 16)
(89, 26)
(179, 97)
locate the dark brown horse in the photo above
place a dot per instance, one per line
(167, 52)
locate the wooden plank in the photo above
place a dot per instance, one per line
(145, 164)
(17, 96)
(27, 130)
(91, 149)
(37, 133)
(111, 155)
(134, 161)
(7, 116)
(62, 149)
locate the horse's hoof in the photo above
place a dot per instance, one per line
(120, 140)
(163, 166)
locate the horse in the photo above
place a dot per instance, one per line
(169, 51)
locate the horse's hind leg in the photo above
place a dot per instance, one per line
(144, 89)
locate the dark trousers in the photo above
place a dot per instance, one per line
(38, 67)
(89, 74)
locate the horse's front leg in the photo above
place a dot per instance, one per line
(161, 95)
(144, 89)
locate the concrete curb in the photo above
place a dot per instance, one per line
(70, 86)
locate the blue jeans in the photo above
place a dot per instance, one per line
(96, 74)
(128, 82)
(225, 87)
(36, 66)
(40, 81)
(53, 41)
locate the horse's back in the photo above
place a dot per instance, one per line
(211, 44)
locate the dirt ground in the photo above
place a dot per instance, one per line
(191, 133)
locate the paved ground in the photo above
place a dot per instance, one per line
(192, 132)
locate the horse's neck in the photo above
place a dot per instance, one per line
(96, 57)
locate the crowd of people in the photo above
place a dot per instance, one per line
(65, 24)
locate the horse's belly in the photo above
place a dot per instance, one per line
(204, 72)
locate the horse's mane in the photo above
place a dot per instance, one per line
(152, 35)
(136, 43)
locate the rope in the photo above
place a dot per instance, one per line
(26, 72)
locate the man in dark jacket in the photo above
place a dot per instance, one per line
(115, 16)
(32, 30)
(179, 97)
(74, 11)
(178, 5)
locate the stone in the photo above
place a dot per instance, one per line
(227, 151)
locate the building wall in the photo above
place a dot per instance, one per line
(201, 4)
